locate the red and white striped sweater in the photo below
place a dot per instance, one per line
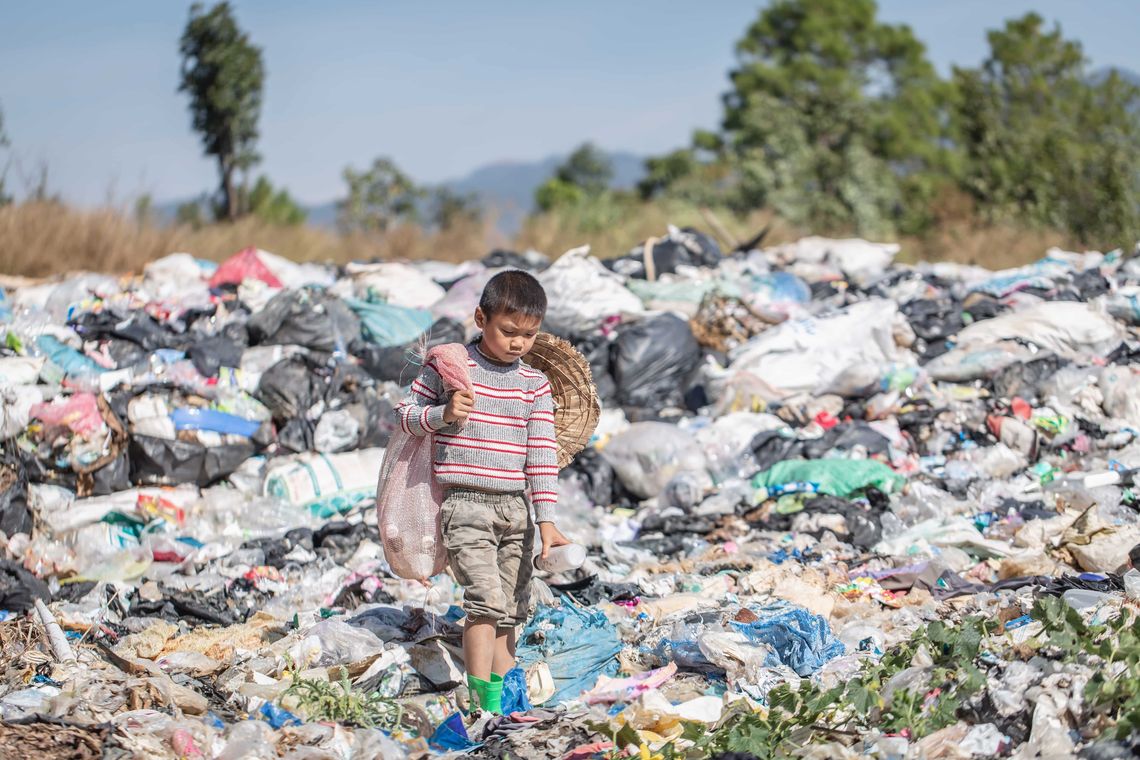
(508, 441)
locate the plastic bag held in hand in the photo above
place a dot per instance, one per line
(408, 499)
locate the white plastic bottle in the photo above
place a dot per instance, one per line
(561, 559)
(1098, 479)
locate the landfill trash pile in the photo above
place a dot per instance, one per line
(835, 507)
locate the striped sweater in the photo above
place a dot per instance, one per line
(508, 440)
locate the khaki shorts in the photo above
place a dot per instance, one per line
(490, 542)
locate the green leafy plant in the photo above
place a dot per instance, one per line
(339, 702)
(805, 714)
(1112, 649)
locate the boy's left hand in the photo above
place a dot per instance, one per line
(551, 537)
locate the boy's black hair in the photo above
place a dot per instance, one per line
(513, 292)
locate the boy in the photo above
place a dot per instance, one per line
(491, 445)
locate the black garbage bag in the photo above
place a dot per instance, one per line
(686, 247)
(591, 590)
(769, 447)
(339, 539)
(396, 364)
(672, 525)
(531, 260)
(160, 461)
(125, 353)
(112, 477)
(651, 361)
(187, 606)
(309, 317)
(594, 474)
(596, 349)
(1026, 378)
(979, 306)
(845, 437)
(296, 389)
(933, 319)
(211, 353)
(15, 516)
(401, 364)
(138, 327)
(157, 460)
(862, 522)
(44, 472)
(375, 415)
(297, 435)
(19, 589)
(276, 549)
(291, 386)
(1090, 284)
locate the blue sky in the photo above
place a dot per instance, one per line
(443, 87)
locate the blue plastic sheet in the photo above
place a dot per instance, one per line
(799, 639)
(578, 644)
(278, 717)
(213, 420)
(781, 287)
(1039, 274)
(73, 363)
(514, 692)
(451, 735)
(680, 646)
(387, 325)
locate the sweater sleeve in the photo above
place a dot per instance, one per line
(542, 454)
(421, 412)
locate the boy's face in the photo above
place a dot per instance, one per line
(508, 336)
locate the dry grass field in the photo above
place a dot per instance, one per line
(43, 239)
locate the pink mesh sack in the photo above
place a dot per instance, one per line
(408, 499)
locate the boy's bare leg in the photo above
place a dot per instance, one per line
(504, 651)
(479, 647)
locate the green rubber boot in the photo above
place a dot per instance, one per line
(495, 694)
(478, 690)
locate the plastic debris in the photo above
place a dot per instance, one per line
(835, 506)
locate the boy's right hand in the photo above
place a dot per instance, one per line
(458, 407)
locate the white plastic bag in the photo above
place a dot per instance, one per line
(648, 455)
(808, 355)
(581, 293)
(1070, 329)
(16, 402)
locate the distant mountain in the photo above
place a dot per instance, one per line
(505, 188)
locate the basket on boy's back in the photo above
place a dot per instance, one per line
(490, 444)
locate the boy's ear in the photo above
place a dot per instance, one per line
(480, 318)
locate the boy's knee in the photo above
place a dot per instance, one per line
(490, 607)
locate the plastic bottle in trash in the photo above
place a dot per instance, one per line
(1079, 598)
(561, 559)
(1098, 479)
(1132, 584)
